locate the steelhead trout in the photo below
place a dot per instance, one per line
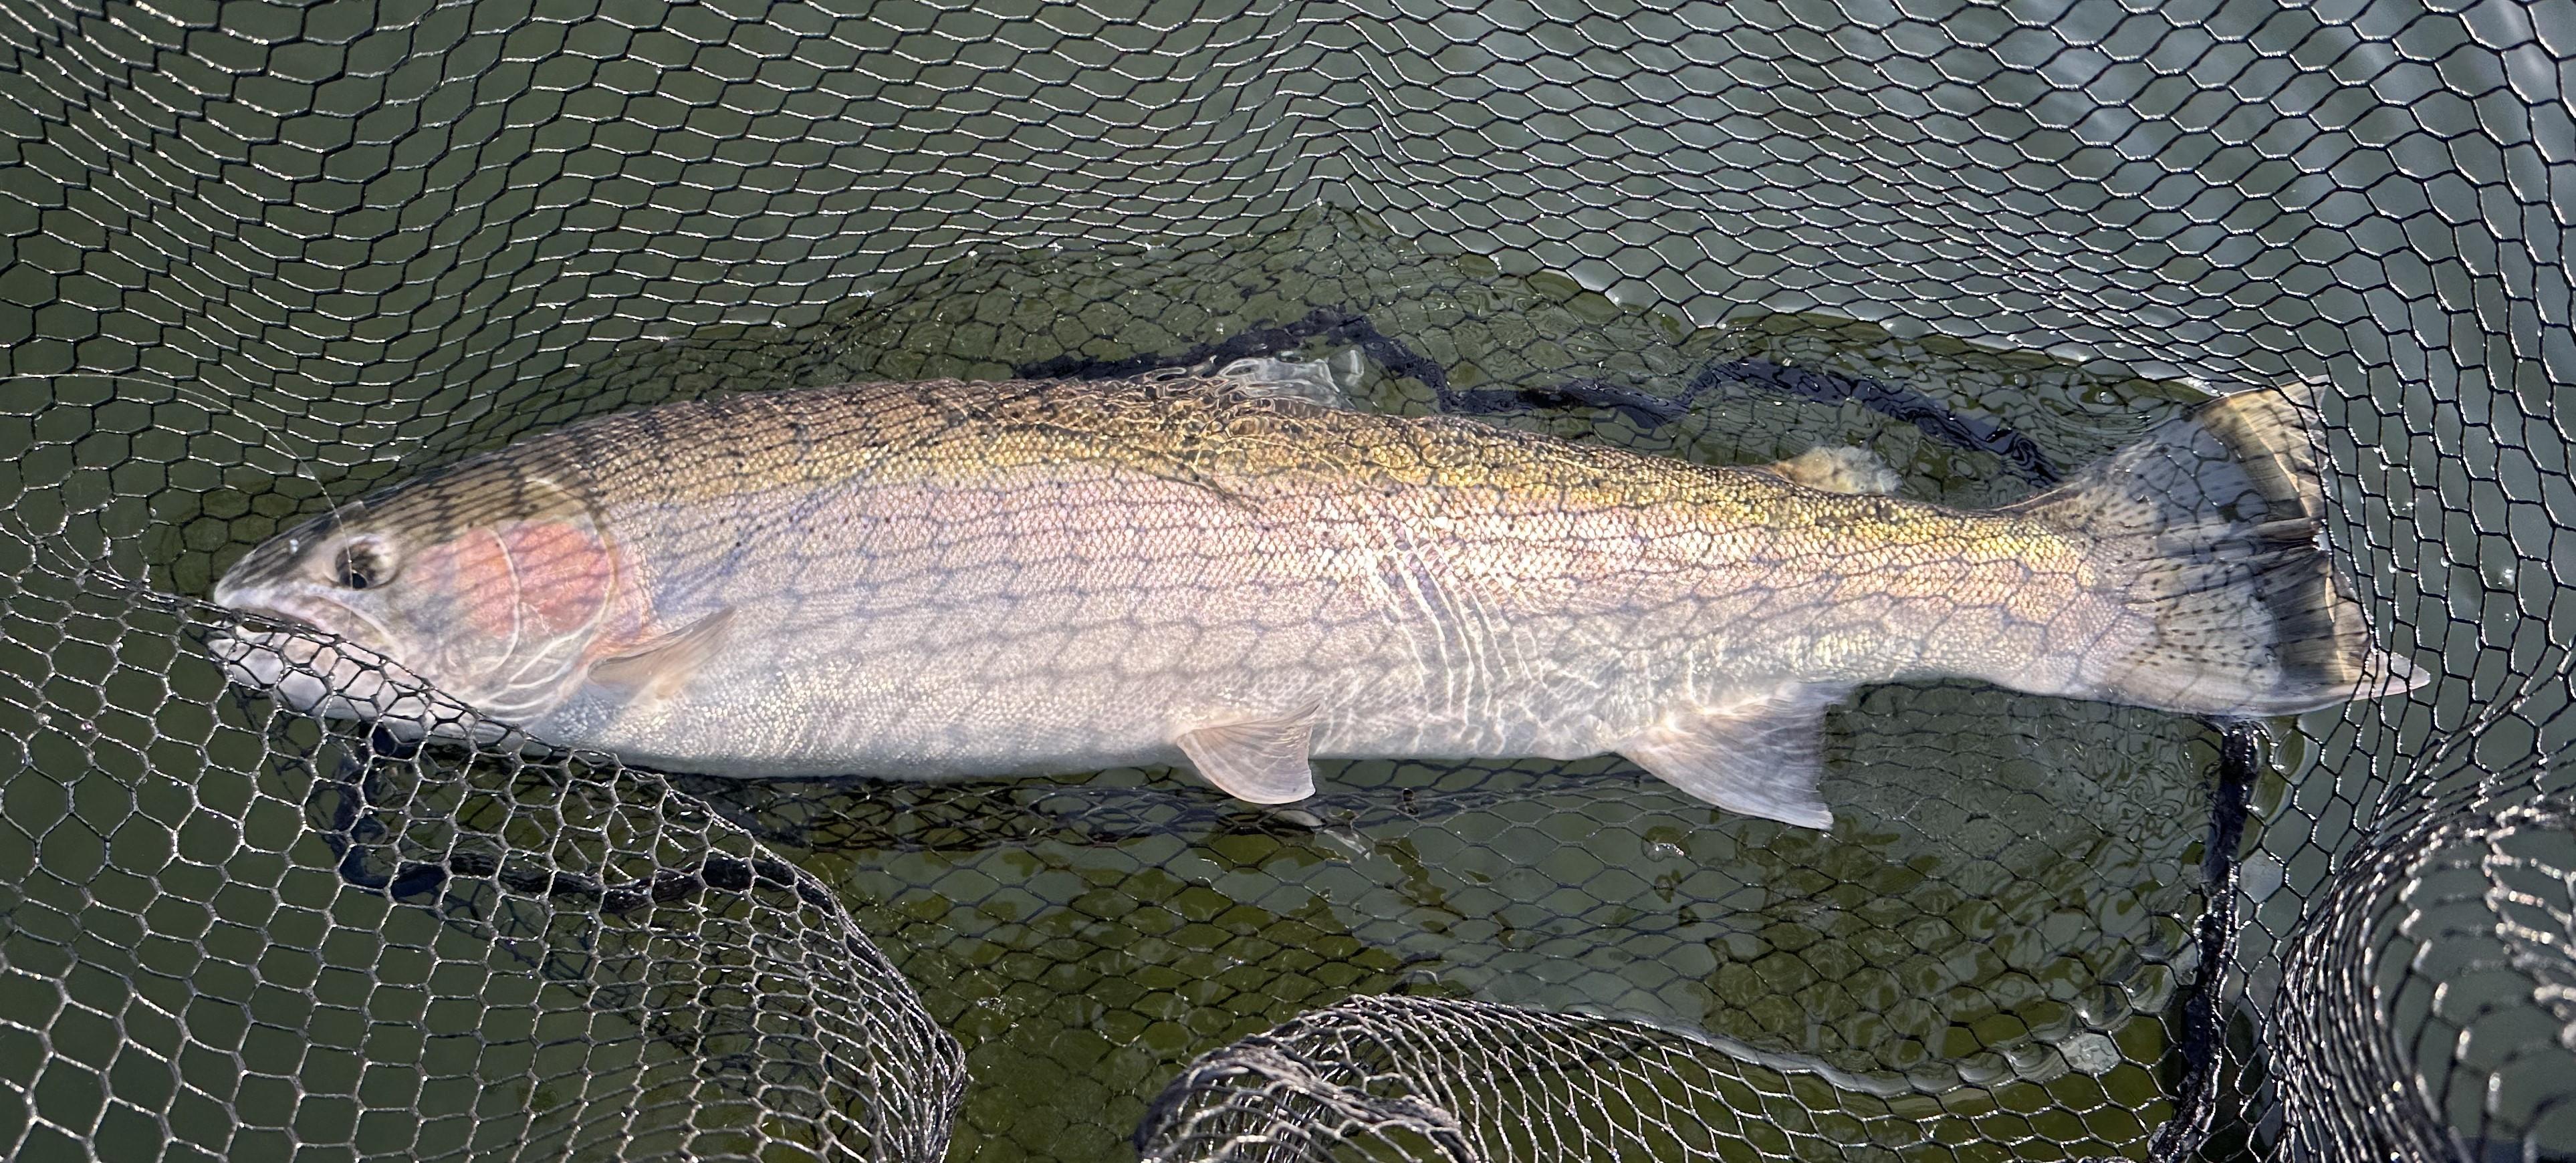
(947, 579)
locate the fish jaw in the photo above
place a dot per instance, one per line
(496, 619)
(320, 657)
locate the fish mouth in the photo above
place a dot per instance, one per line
(315, 656)
(254, 614)
(268, 615)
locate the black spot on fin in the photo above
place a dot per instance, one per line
(2211, 530)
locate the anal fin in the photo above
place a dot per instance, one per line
(1261, 761)
(1760, 755)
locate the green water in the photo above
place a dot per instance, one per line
(337, 242)
(1993, 944)
(2010, 874)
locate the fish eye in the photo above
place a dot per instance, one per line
(364, 563)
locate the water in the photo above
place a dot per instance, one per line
(2010, 893)
(492, 221)
(2002, 919)
(346, 240)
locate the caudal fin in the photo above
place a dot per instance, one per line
(2210, 530)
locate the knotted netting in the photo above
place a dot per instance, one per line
(257, 258)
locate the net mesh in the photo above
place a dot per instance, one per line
(259, 257)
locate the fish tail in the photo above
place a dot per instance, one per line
(2209, 533)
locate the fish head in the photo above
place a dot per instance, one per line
(492, 588)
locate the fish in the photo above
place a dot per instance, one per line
(1237, 574)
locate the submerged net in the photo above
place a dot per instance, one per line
(259, 257)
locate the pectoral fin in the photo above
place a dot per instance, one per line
(1760, 755)
(658, 667)
(1262, 761)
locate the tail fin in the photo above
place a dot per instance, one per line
(2210, 531)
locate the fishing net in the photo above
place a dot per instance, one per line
(256, 258)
